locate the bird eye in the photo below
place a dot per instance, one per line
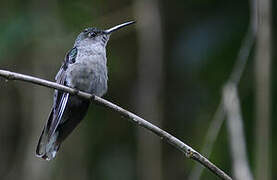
(91, 34)
(85, 30)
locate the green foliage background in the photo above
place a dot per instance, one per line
(201, 42)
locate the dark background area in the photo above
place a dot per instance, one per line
(199, 44)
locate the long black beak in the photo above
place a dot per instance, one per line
(115, 28)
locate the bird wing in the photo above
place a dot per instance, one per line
(58, 113)
(45, 147)
(60, 101)
(60, 97)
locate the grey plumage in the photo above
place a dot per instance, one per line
(84, 68)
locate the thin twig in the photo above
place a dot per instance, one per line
(232, 108)
(178, 144)
(219, 116)
(210, 138)
(235, 78)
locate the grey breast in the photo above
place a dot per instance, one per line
(89, 74)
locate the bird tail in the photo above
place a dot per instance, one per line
(60, 124)
(47, 148)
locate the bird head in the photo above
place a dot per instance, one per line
(92, 35)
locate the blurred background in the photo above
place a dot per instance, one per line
(169, 68)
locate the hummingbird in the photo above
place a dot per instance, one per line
(84, 68)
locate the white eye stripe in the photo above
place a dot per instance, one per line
(86, 30)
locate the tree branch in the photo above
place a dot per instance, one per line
(178, 144)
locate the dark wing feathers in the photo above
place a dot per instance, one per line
(70, 57)
(59, 105)
(61, 98)
(58, 113)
